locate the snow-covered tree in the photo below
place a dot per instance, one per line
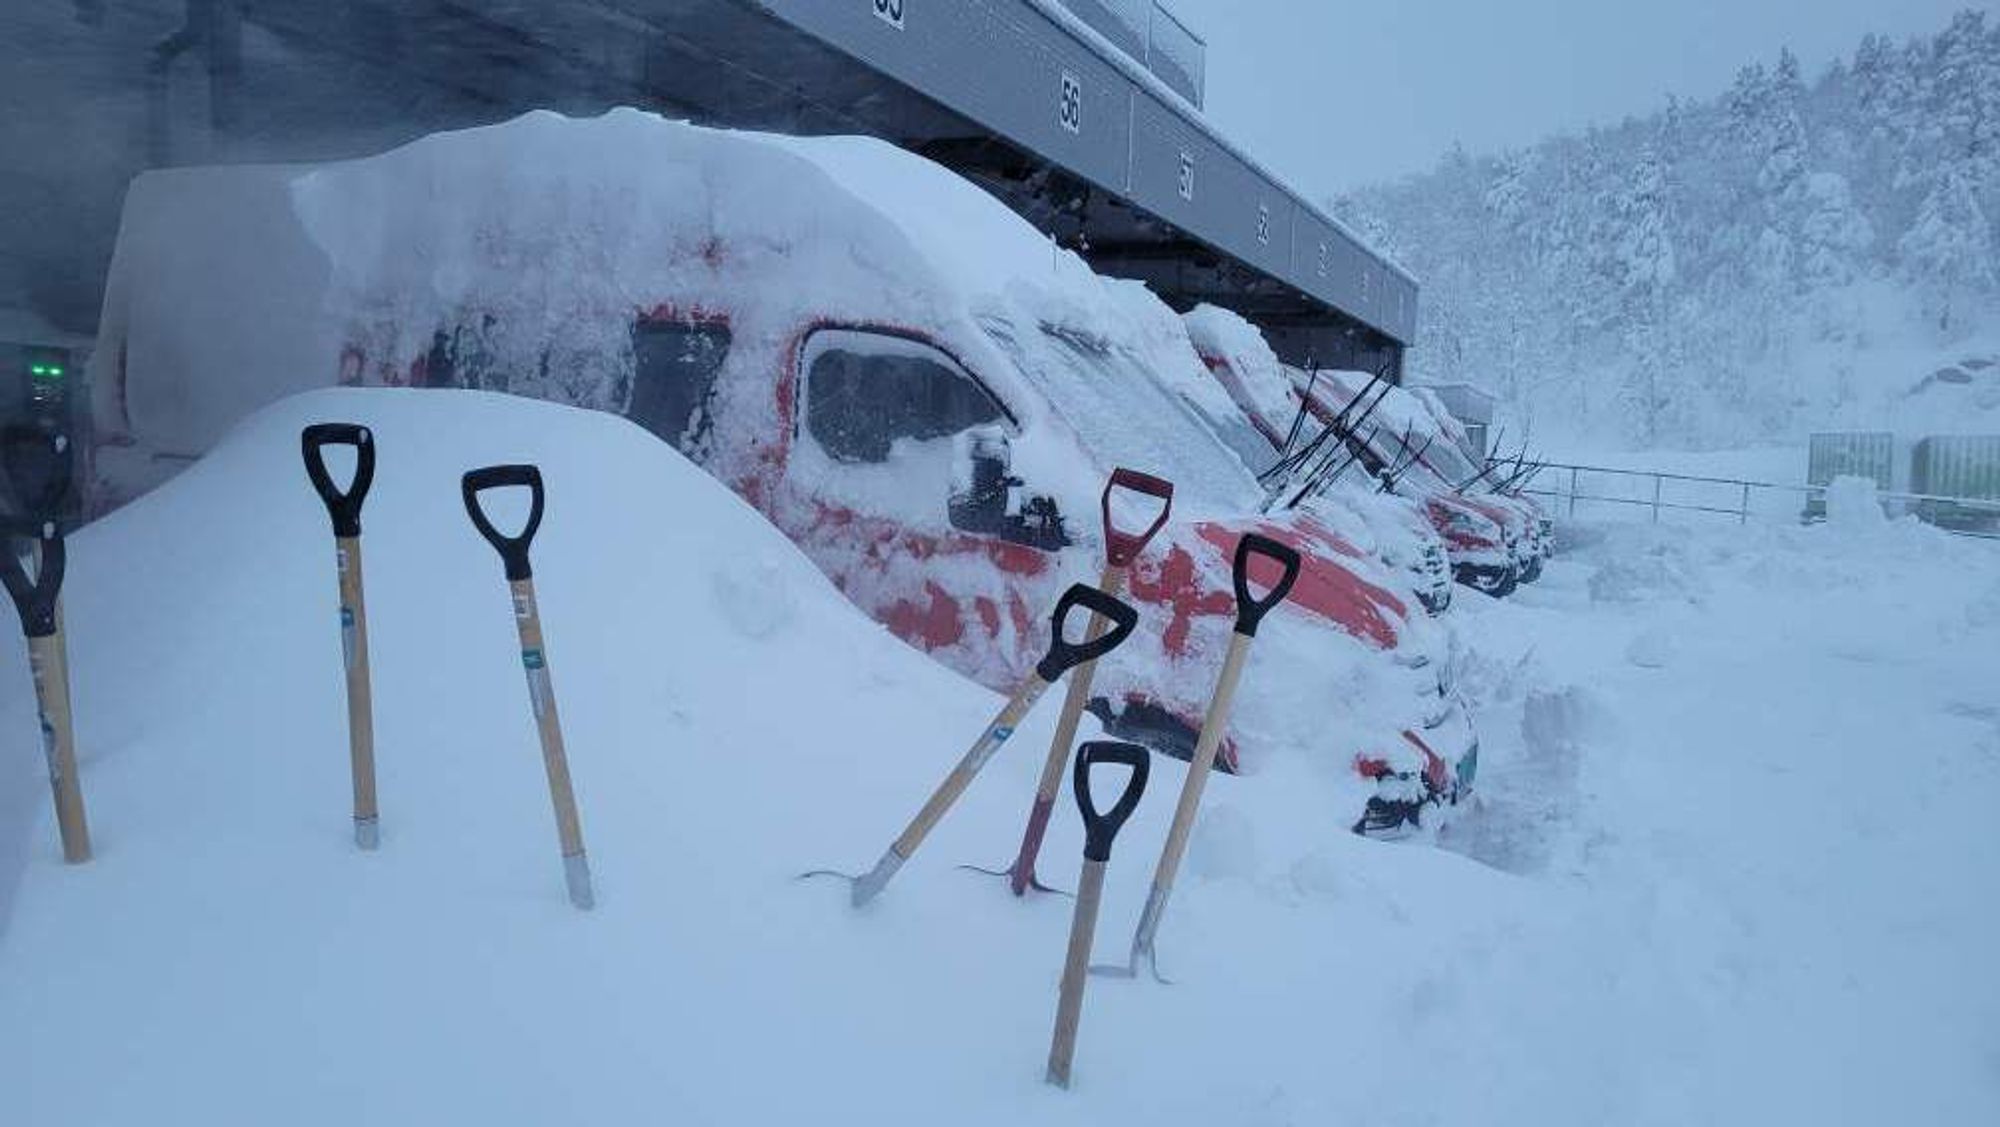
(1948, 253)
(1696, 273)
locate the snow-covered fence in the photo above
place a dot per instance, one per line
(1602, 492)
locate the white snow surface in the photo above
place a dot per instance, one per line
(1746, 886)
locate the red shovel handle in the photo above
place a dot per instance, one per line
(1121, 548)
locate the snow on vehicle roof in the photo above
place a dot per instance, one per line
(1226, 335)
(232, 287)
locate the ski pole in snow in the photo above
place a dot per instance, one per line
(344, 509)
(1098, 832)
(1120, 549)
(1062, 656)
(520, 580)
(38, 466)
(1250, 612)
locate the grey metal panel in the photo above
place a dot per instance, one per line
(1001, 64)
(1232, 208)
(1870, 454)
(998, 62)
(1957, 465)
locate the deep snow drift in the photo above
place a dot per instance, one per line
(1731, 865)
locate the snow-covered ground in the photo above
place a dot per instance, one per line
(1732, 863)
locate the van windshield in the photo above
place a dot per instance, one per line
(1123, 415)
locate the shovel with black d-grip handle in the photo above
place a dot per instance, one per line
(534, 658)
(1250, 612)
(1062, 656)
(38, 467)
(344, 509)
(1120, 549)
(1099, 830)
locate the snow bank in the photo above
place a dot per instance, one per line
(1760, 867)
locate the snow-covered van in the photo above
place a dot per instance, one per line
(897, 371)
(1242, 363)
(1487, 538)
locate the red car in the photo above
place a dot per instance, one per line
(893, 368)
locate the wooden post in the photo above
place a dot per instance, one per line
(1746, 504)
(1656, 498)
(1572, 491)
(360, 697)
(555, 760)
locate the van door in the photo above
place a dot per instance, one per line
(897, 487)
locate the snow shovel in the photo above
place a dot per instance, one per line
(1250, 614)
(520, 580)
(1098, 832)
(1063, 655)
(1120, 549)
(344, 509)
(38, 466)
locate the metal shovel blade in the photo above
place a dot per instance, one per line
(1033, 881)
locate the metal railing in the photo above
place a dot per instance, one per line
(1741, 495)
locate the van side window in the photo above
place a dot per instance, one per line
(673, 384)
(864, 391)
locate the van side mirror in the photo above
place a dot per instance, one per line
(982, 492)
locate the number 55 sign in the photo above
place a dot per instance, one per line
(890, 12)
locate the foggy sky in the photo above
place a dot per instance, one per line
(1336, 93)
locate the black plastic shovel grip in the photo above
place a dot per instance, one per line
(1065, 655)
(1121, 548)
(344, 508)
(36, 600)
(513, 549)
(1100, 829)
(1250, 611)
(39, 467)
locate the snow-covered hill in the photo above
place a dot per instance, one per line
(1728, 868)
(1804, 251)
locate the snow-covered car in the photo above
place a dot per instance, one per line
(850, 337)
(1525, 518)
(1251, 375)
(1395, 443)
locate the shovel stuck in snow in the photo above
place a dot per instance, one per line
(1062, 656)
(344, 509)
(1120, 549)
(520, 580)
(38, 467)
(1098, 832)
(1250, 612)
